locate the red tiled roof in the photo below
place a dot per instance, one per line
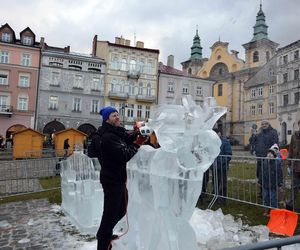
(169, 70)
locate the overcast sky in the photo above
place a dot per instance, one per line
(167, 25)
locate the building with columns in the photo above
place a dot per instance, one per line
(131, 78)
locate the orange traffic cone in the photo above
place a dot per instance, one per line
(283, 221)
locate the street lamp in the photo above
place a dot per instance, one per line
(124, 106)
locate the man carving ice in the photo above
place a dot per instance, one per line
(114, 148)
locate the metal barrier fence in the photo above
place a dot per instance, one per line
(266, 182)
(23, 176)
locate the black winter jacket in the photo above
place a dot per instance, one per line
(265, 140)
(114, 149)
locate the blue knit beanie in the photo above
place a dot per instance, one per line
(106, 111)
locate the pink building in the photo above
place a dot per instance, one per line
(19, 70)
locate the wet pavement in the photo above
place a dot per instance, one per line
(37, 224)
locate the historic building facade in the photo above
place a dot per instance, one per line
(174, 83)
(71, 90)
(288, 82)
(19, 68)
(131, 78)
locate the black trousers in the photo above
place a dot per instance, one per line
(114, 209)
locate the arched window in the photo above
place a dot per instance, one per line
(149, 89)
(122, 86)
(255, 56)
(131, 88)
(140, 92)
(267, 56)
(132, 64)
(113, 85)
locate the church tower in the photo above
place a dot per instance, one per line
(194, 64)
(260, 49)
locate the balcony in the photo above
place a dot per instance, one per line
(144, 98)
(6, 110)
(133, 74)
(117, 95)
(288, 108)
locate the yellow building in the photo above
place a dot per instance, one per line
(27, 143)
(131, 78)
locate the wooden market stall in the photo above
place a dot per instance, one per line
(27, 143)
(75, 137)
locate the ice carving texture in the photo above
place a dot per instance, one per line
(82, 194)
(164, 184)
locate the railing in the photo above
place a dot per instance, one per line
(6, 109)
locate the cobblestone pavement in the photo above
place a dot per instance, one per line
(34, 225)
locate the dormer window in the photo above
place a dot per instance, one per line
(6, 37)
(27, 40)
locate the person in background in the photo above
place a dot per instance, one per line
(252, 142)
(114, 148)
(272, 180)
(66, 147)
(294, 153)
(220, 168)
(266, 137)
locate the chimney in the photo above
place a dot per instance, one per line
(94, 49)
(234, 52)
(117, 40)
(67, 49)
(139, 44)
(170, 62)
(127, 42)
(42, 42)
(122, 40)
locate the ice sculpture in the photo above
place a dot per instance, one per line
(164, 184)
(82, 194)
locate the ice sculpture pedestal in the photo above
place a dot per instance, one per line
(82, 194)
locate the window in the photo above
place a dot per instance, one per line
(139, 111)
(260, 91)
(220, 89)
(95, 106)
(267, 56)
(123, 64)
(140, 91)
(23, 102)
(296, 97)
(27, 40)
(296, 74)
(285, 59)
(220, 71)
(170, 86)
(24, 80)
(76, 105)
(252, 110)
(147, 112)
(148, 89)
(271, 108)
(285, 77)
(190, 71)
(131, 88)
(150, 67)
(78, 82)
(25, 60)
(255, 56)
(113, 85)
(253, 93)
(6, 37)
(142, 65)
(4, 103)
(285, 100)
(199, 90)
(3, 78)
(53, 102)
(114, 61)
(271, 89)
(122, 107)
(130, 109)
(132, 65)
(4, 57)
(55, 79)
(122, 86)
(259, 109)
(96, 83)
(296, 54)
